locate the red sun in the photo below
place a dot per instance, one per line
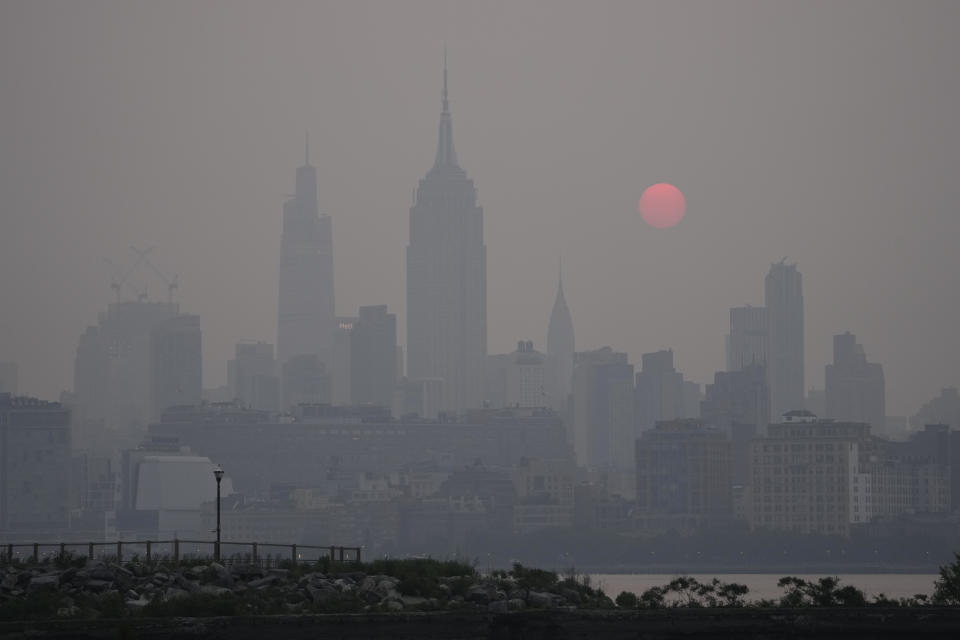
(662, 205)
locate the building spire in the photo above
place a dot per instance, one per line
(445, 152)
(446, 102)
(306, 151)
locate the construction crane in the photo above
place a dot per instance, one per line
(121, 277)
(171, 283)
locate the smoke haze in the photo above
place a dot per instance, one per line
(822, 131)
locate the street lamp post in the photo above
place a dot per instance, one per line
(218, 474)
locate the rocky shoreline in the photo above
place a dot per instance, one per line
(421, 598)
(104, 589)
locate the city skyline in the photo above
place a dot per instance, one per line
(533, 194)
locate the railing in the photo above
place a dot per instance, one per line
(176, 550)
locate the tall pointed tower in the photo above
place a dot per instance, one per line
(305, 321)
(560, 348)
(447, 278)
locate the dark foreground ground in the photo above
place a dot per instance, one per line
(743, 623)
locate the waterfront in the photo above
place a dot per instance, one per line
(764, 585)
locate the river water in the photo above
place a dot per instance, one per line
(764, 585)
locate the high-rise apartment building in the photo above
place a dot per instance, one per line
(855, 388)
(747, 342)
(447, 278)
(603, 421)
(783, 292)
(373, 357)
(684, 472)
(306, 320)
(176, 370)
(113, 376)
(518, 379)
(34, 466)
(252, 376)
(659, 391)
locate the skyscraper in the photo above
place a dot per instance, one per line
(560, 349)
(855, 390)
(747, 343)
(176, 370)
(783, 292)
(447, 278)
(659, 392)
(306, 321)
(373, 357)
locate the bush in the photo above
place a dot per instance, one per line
(627, 600)
(535, 579)
(825, 592)
(946, 590)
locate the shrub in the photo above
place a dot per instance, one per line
(946, 590)
(627, 600)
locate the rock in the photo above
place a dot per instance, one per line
(515, 594)
(571, 595)
(478, 595)
(246, 571)
(45, 581)
(368, 584)
(173, 593)
(370, 597)
(385, 586)
(215, 590)
(344, 584)
(540, 600)
(393, 605)
(263, 583)
(97, 586)
(131, 595)
(224, 578)
(499, 606)
(98, 571)
(412, 601)
(516, 604)
(318, 595)
(136, 605)
(70, 611)
(195, 573)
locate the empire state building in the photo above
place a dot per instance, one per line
(447, 278)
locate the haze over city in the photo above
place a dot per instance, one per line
(820, 131)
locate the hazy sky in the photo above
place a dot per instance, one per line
(822, 131)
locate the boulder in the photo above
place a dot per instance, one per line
(540, 600)
(478, 595)
(499, 606)
(263, 583)
(70, 611)
(516, 604)
(319, 595)
(44, 581)
(393, 605)
(97, 586)
(571, 595)
(173, 593)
